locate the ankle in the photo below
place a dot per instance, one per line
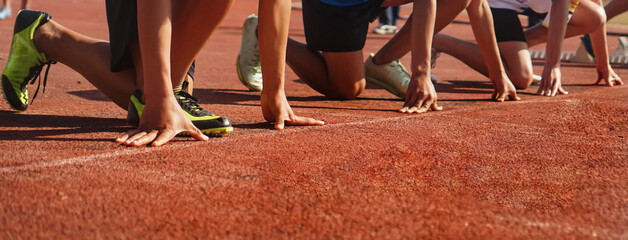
(42, 35)
(377, 60)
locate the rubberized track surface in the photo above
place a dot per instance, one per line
(536, 169)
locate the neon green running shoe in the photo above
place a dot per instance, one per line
(25, 61)
(207, 122)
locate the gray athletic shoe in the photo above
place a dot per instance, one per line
(391, 76)
(385, 29)
(248, 63)
(536, 79)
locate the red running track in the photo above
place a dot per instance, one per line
(534, 169)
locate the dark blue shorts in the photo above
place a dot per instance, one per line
(331, 28)
(507, 24)
(122, 21)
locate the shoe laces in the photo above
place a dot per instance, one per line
(190, 104)
(37, 75)
(396, 66)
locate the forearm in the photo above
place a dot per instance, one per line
(154, 31)
(599, 43)
(556, 32)
(424, 17)
(274, 21)
(600, 48)
(482, 25)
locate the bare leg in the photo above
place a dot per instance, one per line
(517, 61)
(615, 8)
(88, 56)
(598, 43)
(164, 60)
(346, 74)
(399, 45)
(341, 75)
(600, 49)
(336, 75)
(25, 4)
(587, 18)
(273, 25)
(91, 58)
(307, 64)
(515, 56)
(187, 38)
(190, 32)
(465, 51)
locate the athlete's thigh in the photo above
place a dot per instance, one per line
(516, 58)
(345, 70)
(588, 15)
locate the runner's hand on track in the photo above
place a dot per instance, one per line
(420, 97)
(503, 88)
(276, 109)
(551, 82)
(159, 124)
(609, 76)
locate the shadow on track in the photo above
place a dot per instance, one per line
(40, 127)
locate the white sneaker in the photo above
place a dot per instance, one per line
(5, 12)
(381, 29)
(391, 76)
(536, 79)
(392, 29)
(385, 29)
(248, 63)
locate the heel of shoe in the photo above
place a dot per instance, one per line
(26, 17)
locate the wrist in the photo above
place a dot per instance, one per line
(273, 92)
(552, 61)
(551, 64)
(156, 94)
(602, 65)
(420, 76)
(497, 72)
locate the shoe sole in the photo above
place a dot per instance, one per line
(6, 84)
(386, 86)
(241, 77)
(214, 132)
